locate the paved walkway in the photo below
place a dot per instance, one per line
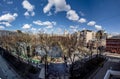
(2, 76)
(109, 64)
(6, 71)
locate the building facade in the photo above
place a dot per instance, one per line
(87, 36)
(113, 45)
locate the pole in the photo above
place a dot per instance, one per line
(46, 66)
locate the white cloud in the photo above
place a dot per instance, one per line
(98, 27)
(48, 27)
(6, 24)
(60, 5)
(33, 13)
(49, 14)
(29, 7)
(82, 20)
(54, 23)
(72, 15)
(26, 14)
(33, 29)
(15, 14)
(83, 28)
(39, 29)
(73, 27)
(8, 17)
(48, 24)
(75, 30)
(91, 23)
(38, 22)
(26, 26)
(2, 27)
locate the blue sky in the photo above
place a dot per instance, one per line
(59, 15)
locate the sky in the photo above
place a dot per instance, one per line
(57, 16)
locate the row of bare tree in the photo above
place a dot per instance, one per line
(25, 44)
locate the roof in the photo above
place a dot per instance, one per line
(115, 37)
(86, 30)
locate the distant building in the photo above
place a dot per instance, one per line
(6, 33)
(109, 35)
(113, 45)
(66, 33)
(87, 35)
(9, 33)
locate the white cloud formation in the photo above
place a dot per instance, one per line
(8, 17)
(53, 22)
(49, 14)
(33, 13)
(83, 28)
(48, 24)
(49, 27)
(82, 20)
(26, 26)
(33, 29)
(98, 27)
(26, 14)
(2, 27)
(15, 14)
(38, 22)
(91, 23)
(29, 7)
(60, 5)
(7, 24)
(72, 15)
(73, 27)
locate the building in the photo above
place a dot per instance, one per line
(113, 45)
(87, 35)
(6, 33)
(9, 33)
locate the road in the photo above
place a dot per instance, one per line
(6, 72)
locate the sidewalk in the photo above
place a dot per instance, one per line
(8, 72)
(107, 65)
